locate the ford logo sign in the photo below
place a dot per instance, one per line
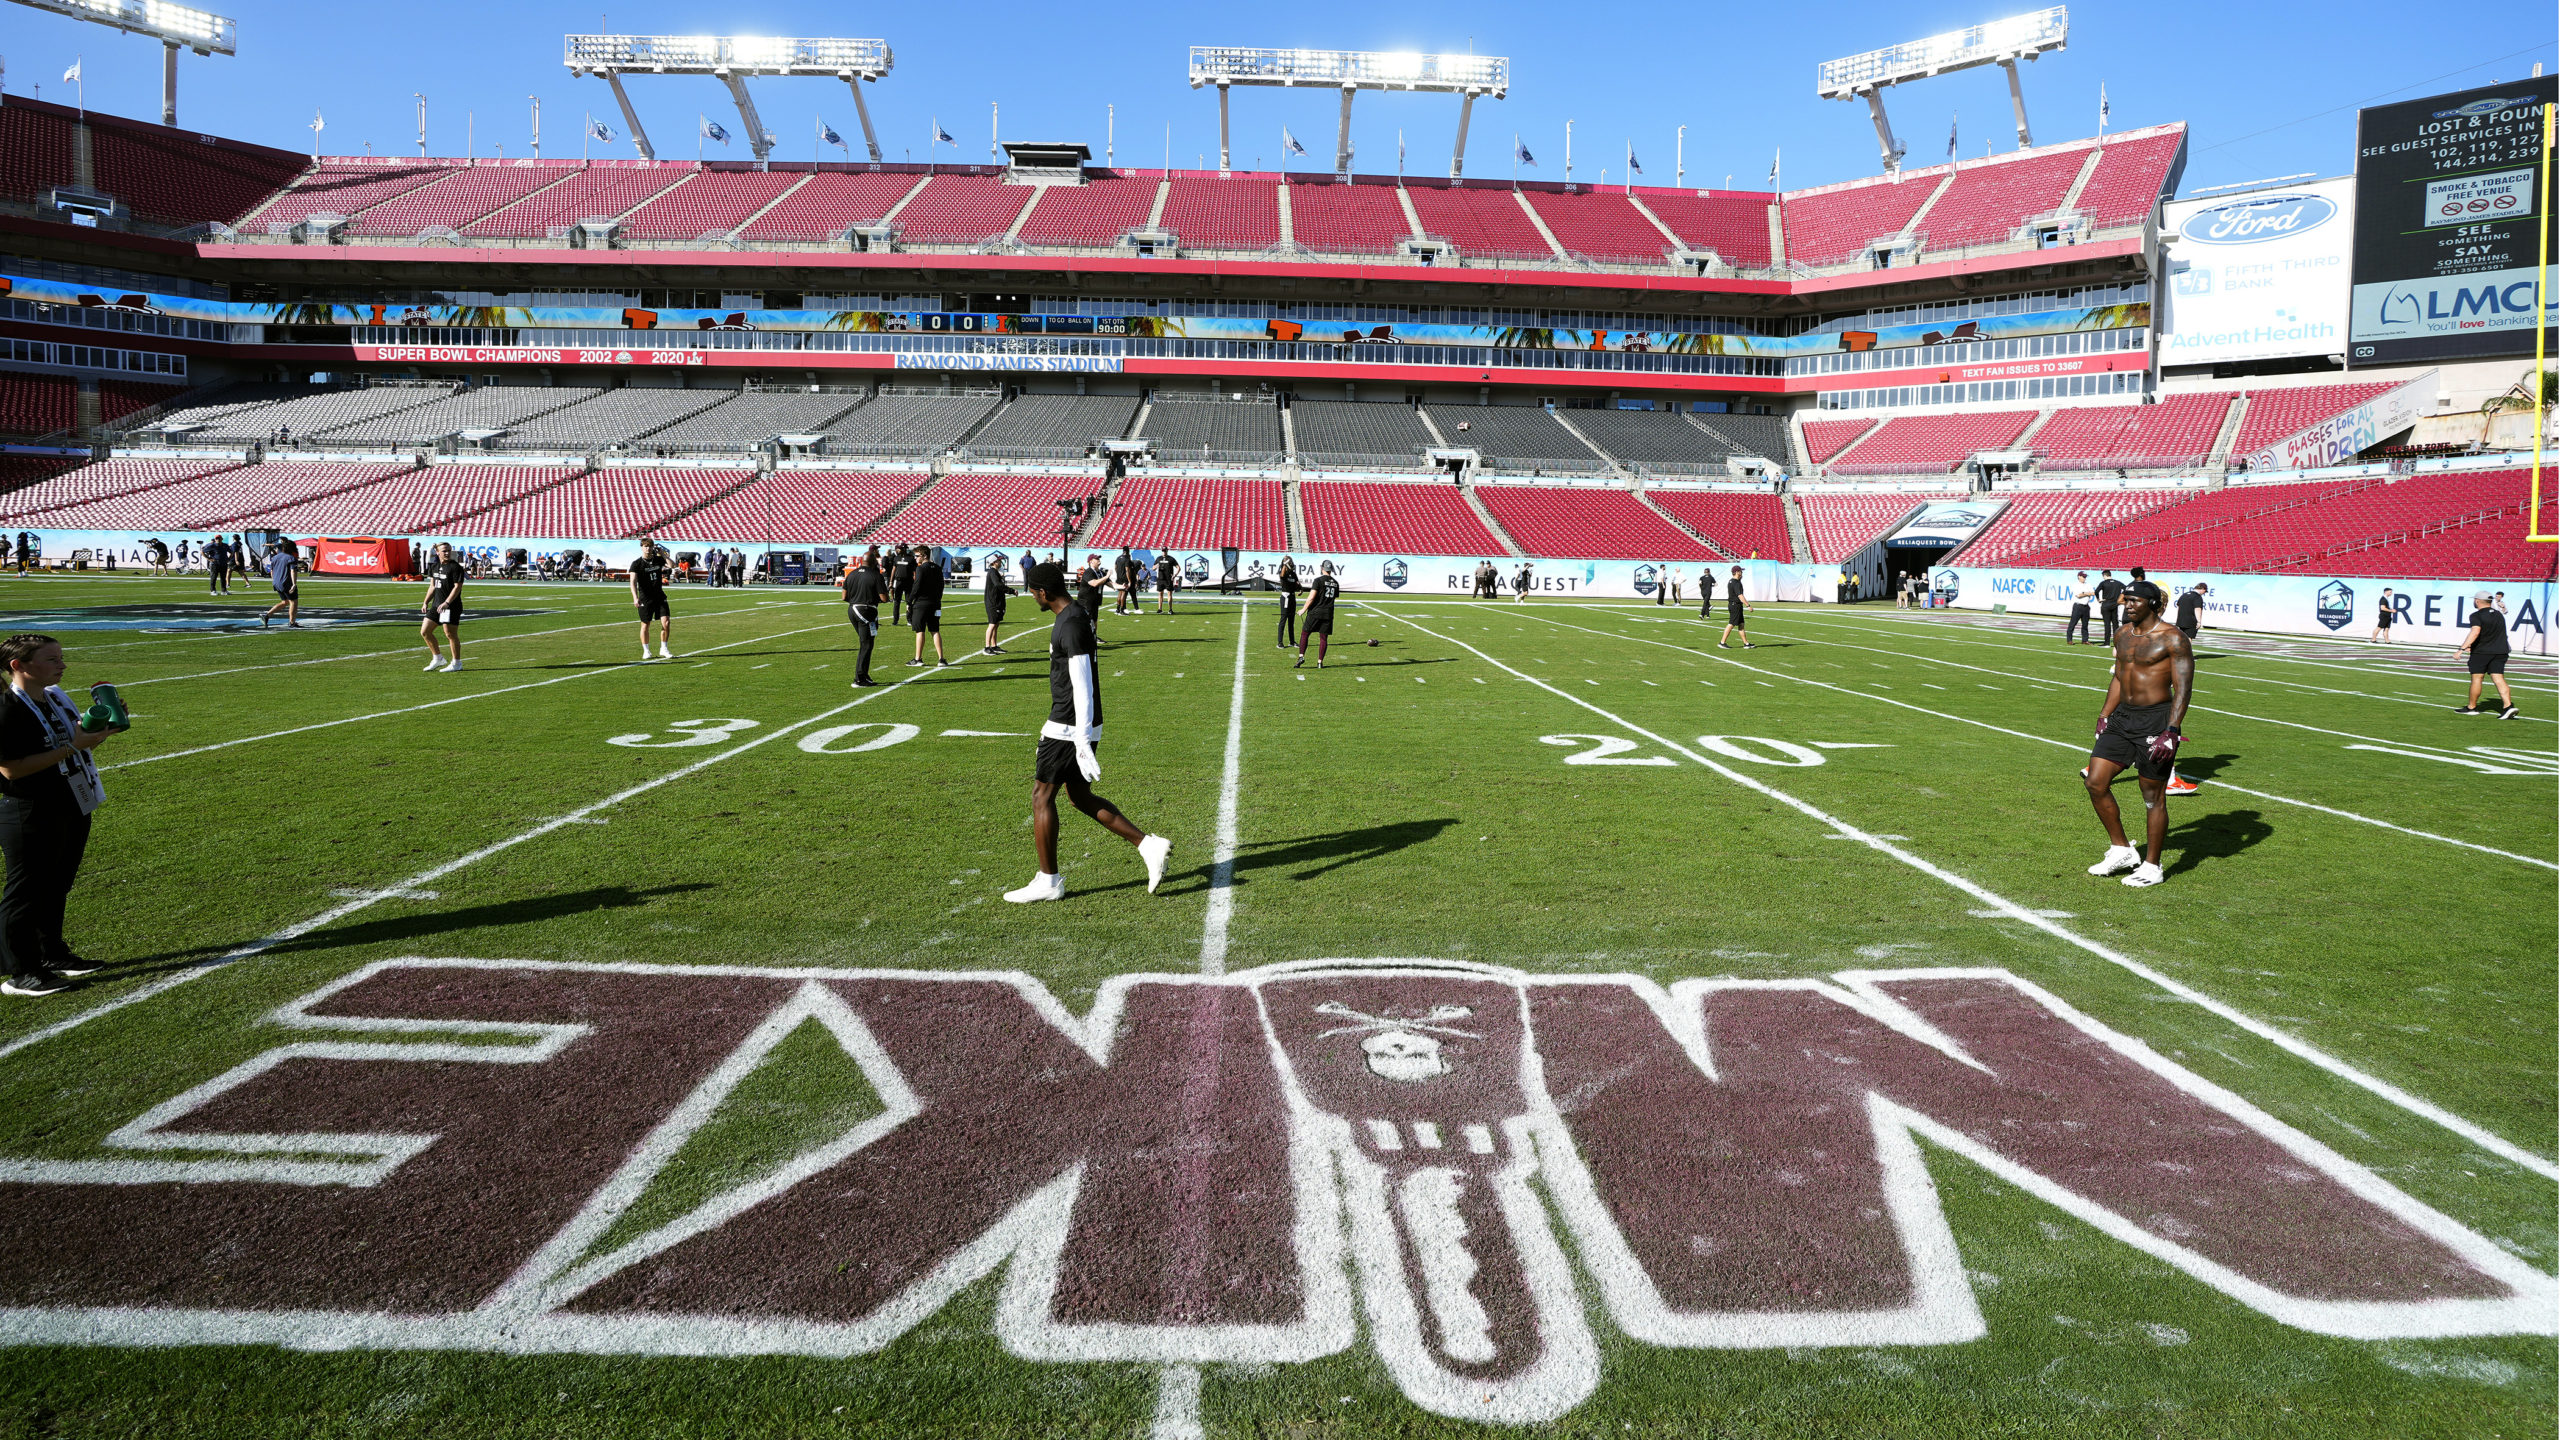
(2250, 222)
(2478, 108)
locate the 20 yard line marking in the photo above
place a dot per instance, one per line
(2281, 1039)
(584, 815)
(2067, 745)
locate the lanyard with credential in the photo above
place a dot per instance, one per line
(59, 726)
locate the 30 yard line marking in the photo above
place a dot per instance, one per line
(581, 816)
(452, 700)
(476, 639)
(2281, 1039)
(2068, 745)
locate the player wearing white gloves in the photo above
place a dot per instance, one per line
(2138, 727)
(1066, 756)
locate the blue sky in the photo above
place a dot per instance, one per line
(2252, 78)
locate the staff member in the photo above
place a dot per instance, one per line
(1168, 580)
(48, 789)
(862, 587)
(649, 597)
(2191, 611)
(2110, 604)
(996, 591)
(924, 605)
(2485, 647)
(443, 606)
(1290, 587)
(902, 580)
(2081, 595)
(288, 594)
(217, 566)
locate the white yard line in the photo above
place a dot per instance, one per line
(2009, 909)
(477, 638)
(1222, 861)
(2064, 744)
(451, 700)
(582, 815)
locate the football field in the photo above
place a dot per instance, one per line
(1548, 1022)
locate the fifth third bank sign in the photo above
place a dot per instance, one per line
(2449, 221)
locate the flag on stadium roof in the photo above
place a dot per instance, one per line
(2102, 107)
(72, 75)
(1951, 134)
(827, 133)
(940, 135)
(1289, 143)
(600, 130)
(1634, 166)
(711, 130)
(1521, 153)
(1774, 157)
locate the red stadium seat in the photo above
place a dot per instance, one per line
(1152, 511)
(1416, 519)
(1587, 523)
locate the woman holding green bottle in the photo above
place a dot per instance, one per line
(48, 788)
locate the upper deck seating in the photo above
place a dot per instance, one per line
(1096, 213)
(710, 202)
(830, 204)
(1484, 222)
(1232, 214)
(1210, 431)
(1345, 434)
(1514, 438)
(1347, 219)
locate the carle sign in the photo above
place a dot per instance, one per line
(1439, 1160)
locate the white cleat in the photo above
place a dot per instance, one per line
(1042, 887)
(453, 664)
(1153, 849)
(665, 654)
(2144, 875)
(2117, 860)
(435, 664)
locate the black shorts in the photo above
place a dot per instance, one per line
(995, 610)
(288, 591)
(925, 616)
(446, 614)
(1318, 622)
(2488, 664)
(2382, 621)
(2188, 628)
(654, 609)
(1733, 616)
(2127, 740)
(1056, 763)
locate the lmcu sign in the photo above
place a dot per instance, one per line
(1246, 1168)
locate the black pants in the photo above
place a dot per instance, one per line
(1288, 619)
(217, 581)
(2108, 619)
(43, 845)
(897, 602)
(2079, 621)
(867, 626)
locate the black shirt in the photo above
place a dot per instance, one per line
(22, 735)
(902, 575)
(1320, 595)
(1071, 636)
(995, 586)
(2191, 609)
(1165, 572)
(927, 585)
(1733, 590)
(217, 555)
(2493, 632)
(2109, 592)
(862, 586)
(649, 577)
(1289, 583)
(444, 582)
(1124, 571)
(1089, 580)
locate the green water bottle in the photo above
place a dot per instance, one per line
(106, 710)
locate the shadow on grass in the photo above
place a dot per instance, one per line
(416, 925)
(1324, 853)
(2214, 837)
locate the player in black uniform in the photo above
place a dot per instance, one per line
(1168, 580)
(1733, 613)
(902, 580)
(649, 597)
(1089, 583)
(862, 586)
(2138, 726)
(1291, 587)
(1319, 622)
(996, 589)
(1066, 755)
(924, 605)
(2110, 605)
(2485, 648)
(1124, 581)
(443, 607)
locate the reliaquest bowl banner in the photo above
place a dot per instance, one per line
(2423, 612)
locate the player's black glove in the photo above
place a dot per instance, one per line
(2164, 746)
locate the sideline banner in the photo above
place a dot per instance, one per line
(359, 557)
(2424, 612)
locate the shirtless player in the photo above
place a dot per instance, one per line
(2155, 677)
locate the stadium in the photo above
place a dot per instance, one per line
(1721, 575)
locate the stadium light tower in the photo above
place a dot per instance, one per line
(173, 26)
(732, 59)
(1466, 76)
(2001, 42)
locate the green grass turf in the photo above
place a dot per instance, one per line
(1399, 803)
